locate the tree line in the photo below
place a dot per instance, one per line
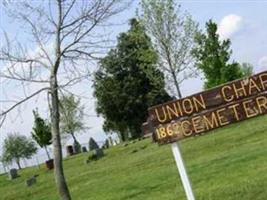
(16, 146)
(162, 48)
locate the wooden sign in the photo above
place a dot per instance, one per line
(194, 115)
(233, 102)
(147, 130)
(212, 119)
(224, 94)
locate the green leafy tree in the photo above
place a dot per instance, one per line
(17, 147)
(41, 132)
(125, 83)
(71, 118)
(172, 32)
(213, 57)
(247, 69)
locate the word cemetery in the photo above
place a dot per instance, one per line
(233, 102)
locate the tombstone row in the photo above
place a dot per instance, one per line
(92, 145)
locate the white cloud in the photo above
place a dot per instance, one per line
(263, 63)
(229, 25)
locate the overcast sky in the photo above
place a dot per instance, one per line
(244, 22)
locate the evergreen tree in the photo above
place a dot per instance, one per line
(41, 132)
(127, 83)
(213, 57)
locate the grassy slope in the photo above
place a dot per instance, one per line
(228, 165)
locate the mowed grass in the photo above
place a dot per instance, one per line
(227, 164)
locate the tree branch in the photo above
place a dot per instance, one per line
(22, 101)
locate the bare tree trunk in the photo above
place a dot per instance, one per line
(174, 76)
(77, 145)
(49, 158)
(55, 118)
(18, 163)
(59, 173)
(74, 138)
(179, 94)
(178, 90)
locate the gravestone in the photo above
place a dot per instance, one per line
(99, 153)
(12, 174)
(30, 181)
(84, 149)
(49, 164)
(106, 145)
(93, 145)
(70, 151)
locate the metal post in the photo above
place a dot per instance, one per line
(182, 171)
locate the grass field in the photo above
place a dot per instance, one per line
(226, 164)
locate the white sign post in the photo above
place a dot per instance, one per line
(182, 171)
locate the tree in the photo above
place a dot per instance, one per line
(124, 84)
(213, 57)
(247, 69)
(71, 119)
(16, 147)
(172, 32)
(65, 33)
(41, 132)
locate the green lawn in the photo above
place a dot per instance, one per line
(226, 164)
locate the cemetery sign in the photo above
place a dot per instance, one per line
(232, 102)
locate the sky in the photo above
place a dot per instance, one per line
(243, 22)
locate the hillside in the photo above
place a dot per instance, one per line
(226, 164)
